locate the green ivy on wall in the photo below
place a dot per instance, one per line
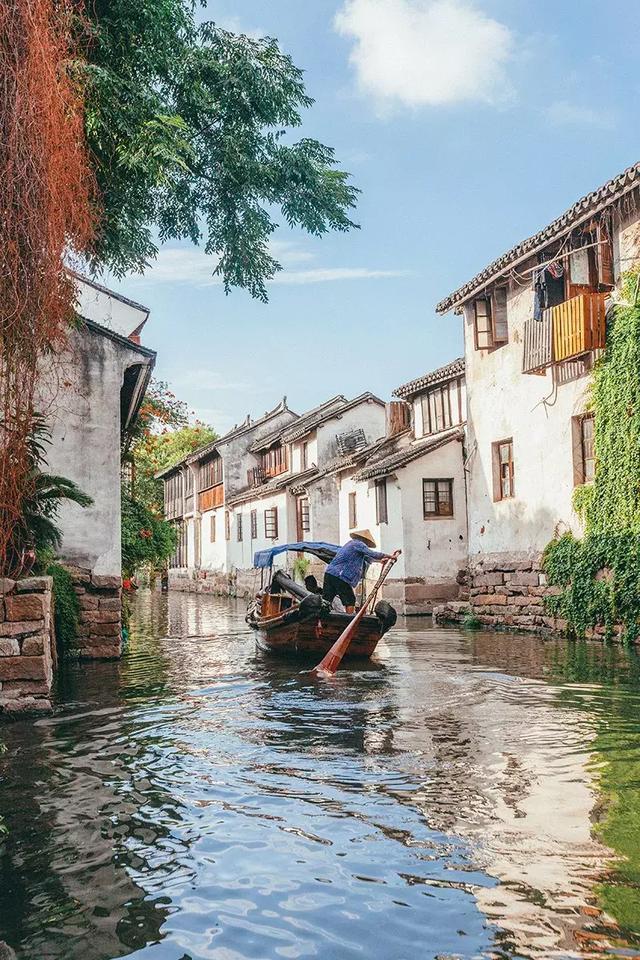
(599, 576)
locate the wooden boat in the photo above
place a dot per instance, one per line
(290, 620)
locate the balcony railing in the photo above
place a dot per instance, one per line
(579, 325)
(570, 329)
(538, 344)
(256, 476)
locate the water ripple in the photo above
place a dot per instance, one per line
(199, 800)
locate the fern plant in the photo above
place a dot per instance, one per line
(37, 534)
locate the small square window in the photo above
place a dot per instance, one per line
(437, 498)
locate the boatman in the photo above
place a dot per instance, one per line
(348, 566)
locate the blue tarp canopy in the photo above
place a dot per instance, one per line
(325, 551)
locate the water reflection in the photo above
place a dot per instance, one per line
(199, 800)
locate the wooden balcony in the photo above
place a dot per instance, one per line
(538, 344)
(211, 498)
(256, 476)
(579, 325)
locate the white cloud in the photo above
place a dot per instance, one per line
(564, 113)
(329, 274)
(427, 52)
(191, 265)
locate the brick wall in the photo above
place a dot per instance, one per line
(100, 627)
(505, 590)
(27, 646)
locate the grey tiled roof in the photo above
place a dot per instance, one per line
(326, 408)
(586, 207)
(386, 465)
(453, 369)
(236, 431)
(309, 422)
(273, 486)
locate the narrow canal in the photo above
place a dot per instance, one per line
(467, 795)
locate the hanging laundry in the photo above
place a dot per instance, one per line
(556, 269)
(538, 294)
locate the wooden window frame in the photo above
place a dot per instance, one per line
(580, 451)
(439, 512)
(274, 461)
(271, 523)
(239, 527)
(227, 525)
(382, 504)
(212, 528)
(253, 522)
(210, 473)
(178, 559)
(304, 455)
(303, 517)
(353, 511)
(497, 470)
(496, 329)
(174, 496)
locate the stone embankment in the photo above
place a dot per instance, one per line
(99, 635)
(28, 656)
(27, 645)
(505, 590)
(239, 583)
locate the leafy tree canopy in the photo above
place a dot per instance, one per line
(164, 436)
(188, 127)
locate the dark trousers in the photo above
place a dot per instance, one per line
(335, 587)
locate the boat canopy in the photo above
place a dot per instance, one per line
(324, 551)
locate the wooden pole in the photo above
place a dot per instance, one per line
(332, 659)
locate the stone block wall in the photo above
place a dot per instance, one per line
(413, 596)
(238, 583)
(505, 590)
(417, 596)
(27, 645)
(100, 627)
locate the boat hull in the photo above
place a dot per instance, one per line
(315, 638)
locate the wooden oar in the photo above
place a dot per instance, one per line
(331, 660)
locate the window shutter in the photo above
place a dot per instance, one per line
(499, 304)
(482, 313)
(604, 257)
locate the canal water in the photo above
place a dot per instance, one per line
(466, 795)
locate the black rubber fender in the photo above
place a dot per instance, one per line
(386, 614)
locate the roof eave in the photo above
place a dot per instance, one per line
(577, 214)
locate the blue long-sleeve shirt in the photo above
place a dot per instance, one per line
(349, 562)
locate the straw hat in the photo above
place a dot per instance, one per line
(364, 535)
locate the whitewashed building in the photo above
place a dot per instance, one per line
(90, 396)
(262, 484)
(196, 494)
(409, 490)
(534, 322)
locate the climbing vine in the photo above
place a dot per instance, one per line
(46, 202)
(599, 575)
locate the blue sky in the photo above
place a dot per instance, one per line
(467, 124)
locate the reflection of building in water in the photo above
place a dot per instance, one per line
(79, 865)
(507, 767)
